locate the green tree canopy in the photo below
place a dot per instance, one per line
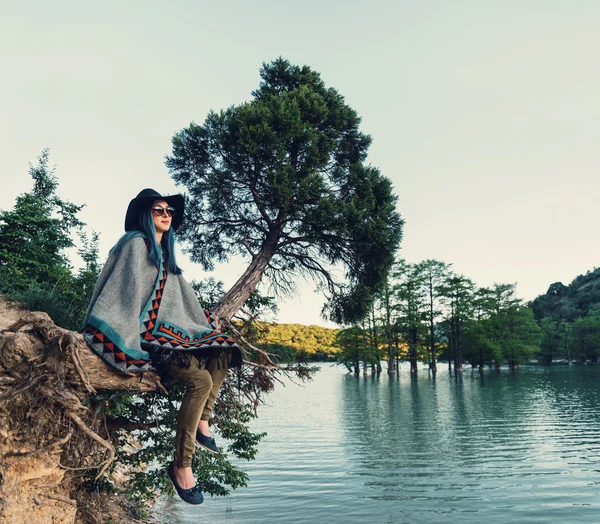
(35, 233)
(586, 338)
(282, 179)
(567, 303)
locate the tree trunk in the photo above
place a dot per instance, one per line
(413, 359)
(391, 367)
(458, 354)
(62, 344)
(238, 294)
(453, 342)
(413, 350)
(375, 341)
(433, 365)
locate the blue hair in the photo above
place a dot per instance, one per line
(145, 229)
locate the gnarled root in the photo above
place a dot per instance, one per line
(47, 434)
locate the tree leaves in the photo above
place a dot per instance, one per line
(282, 176)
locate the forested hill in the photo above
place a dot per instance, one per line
(290, 339)
(568, 303)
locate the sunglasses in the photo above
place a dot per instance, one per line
(159, 211)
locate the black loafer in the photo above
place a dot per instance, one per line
(208, 443)
(192, 495)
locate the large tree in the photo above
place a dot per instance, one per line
(282, 179)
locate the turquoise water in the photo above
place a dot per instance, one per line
(519, 446)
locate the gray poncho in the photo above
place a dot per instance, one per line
(139, 315)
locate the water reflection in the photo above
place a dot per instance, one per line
(473, 442)
(475, 447)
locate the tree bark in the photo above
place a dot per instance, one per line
(238, 294)
(433, 364)
(53, 345)
(412, 348)
(458, 366)
(391, 365)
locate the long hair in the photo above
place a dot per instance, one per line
(145, 229)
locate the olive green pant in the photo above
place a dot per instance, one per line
(201, 388)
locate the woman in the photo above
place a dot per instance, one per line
(144, 316)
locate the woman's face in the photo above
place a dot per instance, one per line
(162, 222)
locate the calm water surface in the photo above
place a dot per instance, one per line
(493, 448)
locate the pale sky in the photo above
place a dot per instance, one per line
(484, 114)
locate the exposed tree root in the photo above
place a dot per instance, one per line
(47, 436)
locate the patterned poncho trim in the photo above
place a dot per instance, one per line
(159, 337)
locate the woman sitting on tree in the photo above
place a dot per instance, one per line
(144, 316)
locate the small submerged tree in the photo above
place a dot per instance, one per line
(354, 349)
(410, 305)
(457, 294)
(432, 274)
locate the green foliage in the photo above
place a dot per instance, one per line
(292, 341)
(585, 338)
(281, 179)
(520, 334)
(208, 292)
(432, 273)
(480, 345)
(215, 474)
(410, 308)
(554, 340)
(353, 349)
(35, 233)
(567, 316)
(457, 294)
(33, 237)
(503, 329)
(567, 303)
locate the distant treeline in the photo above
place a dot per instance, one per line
(426, 313)
(297, 341)
(569, 317)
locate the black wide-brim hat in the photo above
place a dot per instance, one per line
(144, 200)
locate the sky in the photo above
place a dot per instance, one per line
(485, 115)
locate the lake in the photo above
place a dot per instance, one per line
(520, 446)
